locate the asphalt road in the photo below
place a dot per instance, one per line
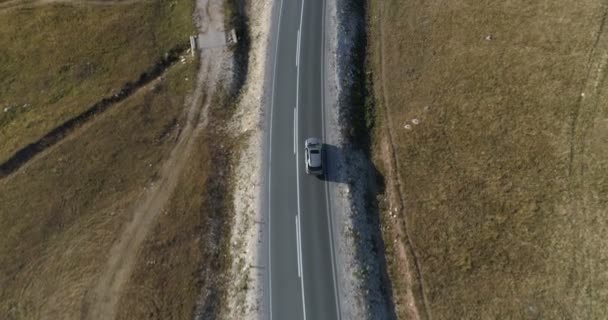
(301, 266)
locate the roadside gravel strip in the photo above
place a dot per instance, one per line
(247, 272)
(364, 292)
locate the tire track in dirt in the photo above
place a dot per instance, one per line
(588, 100)
(103, 299)
(394, 187)
(584, 117)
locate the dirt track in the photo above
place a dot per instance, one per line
(103, 299)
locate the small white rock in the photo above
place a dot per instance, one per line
(407, 127)
(415, 121)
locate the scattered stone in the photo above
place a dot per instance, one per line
(489, 37)
(415, 121)
(407, 127)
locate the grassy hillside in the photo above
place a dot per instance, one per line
(57, 60)
(62, 212)
(497, 112)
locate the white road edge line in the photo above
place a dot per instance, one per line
(328, 210)
(298, 49)
(295, 129)
(298, 162)
(299, 245)
(274, 78)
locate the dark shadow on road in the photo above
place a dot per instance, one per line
(331, 162)
(376, 188)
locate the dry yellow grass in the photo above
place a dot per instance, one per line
(504, 178)
(181, 266)
(60, 213)
(57, 60)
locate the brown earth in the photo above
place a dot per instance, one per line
(492, 120)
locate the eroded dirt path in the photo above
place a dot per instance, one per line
(103, 300)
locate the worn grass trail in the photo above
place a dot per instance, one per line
(103, 302)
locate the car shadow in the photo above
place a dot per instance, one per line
(370, 252)
(333, 157)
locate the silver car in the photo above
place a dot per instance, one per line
(313, 156)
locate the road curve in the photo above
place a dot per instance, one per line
(301, 279)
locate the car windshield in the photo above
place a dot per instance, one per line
(314, 151)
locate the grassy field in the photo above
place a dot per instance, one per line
(62, 212)
(497, 112)
(182, 267)
(59, 214)
(57, 60)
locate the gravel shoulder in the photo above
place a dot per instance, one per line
(363, 284)
(247, 274)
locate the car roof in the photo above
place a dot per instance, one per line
(314, 158)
